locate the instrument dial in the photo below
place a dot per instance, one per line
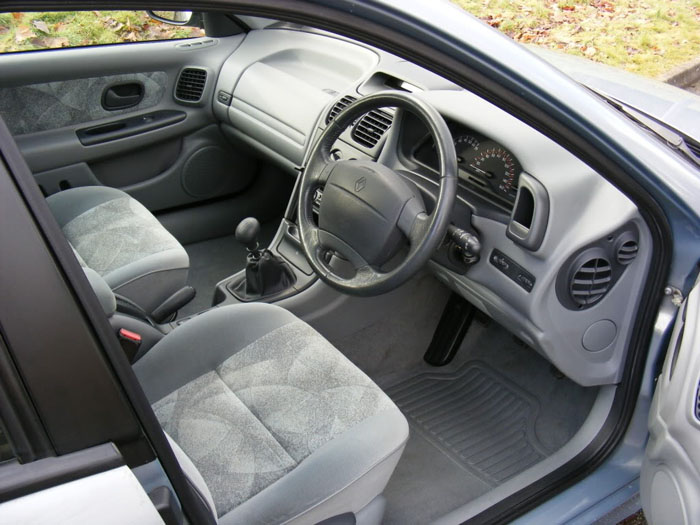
(498, 168)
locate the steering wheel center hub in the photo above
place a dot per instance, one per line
(362, 204)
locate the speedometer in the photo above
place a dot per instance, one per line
(498, 168)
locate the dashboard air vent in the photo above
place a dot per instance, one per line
(339, 106)
(627, 252)
(590, 282)
(371, 127)
(190, 84)
(697, 402)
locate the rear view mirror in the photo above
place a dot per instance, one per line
(178, 18)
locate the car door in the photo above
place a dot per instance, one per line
(670, 490)
(135, 116)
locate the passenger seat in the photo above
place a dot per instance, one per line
(117, 237)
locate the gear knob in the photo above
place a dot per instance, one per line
(247, 233)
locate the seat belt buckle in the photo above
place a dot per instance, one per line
(130, 342)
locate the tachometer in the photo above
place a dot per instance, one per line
(497, 168)
(466, 147)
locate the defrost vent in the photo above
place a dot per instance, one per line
(371, 127)
(339, 106)
(627, 252)
(190, 84)
(590, 282)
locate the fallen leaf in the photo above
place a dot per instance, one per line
(41, 26)
(16, 16)
(23, 33)
(55, 41)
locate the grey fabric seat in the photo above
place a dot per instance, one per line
(269, 420)
(117, 237)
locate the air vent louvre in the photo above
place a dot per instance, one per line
(339, 106)
(627, 252)
(190, 84)
(591, 282)
(371, 127)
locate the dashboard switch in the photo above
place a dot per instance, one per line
(223, 97)
(500, 262)
(512, 270)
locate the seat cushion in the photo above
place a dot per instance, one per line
(117, 237)
(255, 397)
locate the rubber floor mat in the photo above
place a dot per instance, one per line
(476, 416)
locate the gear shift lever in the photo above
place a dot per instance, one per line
(265, 273)
(247, 233)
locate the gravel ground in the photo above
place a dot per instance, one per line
(695, 88)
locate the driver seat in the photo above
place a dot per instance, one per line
(271, 423)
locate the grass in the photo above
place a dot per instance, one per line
(31, 31)
(649, 37)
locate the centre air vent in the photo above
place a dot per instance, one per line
(339, 106)
(371, 127)
(590, 282)
(190, 84)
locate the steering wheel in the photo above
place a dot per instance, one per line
(369, 211)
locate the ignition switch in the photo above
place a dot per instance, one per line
(467, 244)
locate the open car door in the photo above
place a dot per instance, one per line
(670, 479)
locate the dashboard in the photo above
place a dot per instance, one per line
(564, 254)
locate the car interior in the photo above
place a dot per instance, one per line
(284, 211)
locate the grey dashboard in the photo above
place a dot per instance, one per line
(564, 253)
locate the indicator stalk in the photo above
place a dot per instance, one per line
(468, 244)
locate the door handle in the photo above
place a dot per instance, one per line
(122, 96)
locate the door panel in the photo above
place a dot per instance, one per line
(200, 166)
(671, 469)
(49, 98)
(52, 105)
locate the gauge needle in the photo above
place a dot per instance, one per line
(487, 174)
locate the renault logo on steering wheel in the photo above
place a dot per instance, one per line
(360, 184)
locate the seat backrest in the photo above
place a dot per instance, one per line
(104, 293)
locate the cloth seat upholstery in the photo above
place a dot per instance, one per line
(117, 237)
(280, 425)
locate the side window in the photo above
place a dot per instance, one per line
(50, 30)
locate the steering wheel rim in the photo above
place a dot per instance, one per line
(423, 231)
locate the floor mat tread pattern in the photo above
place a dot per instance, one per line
(478, 417)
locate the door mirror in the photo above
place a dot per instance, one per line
(178, 18)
